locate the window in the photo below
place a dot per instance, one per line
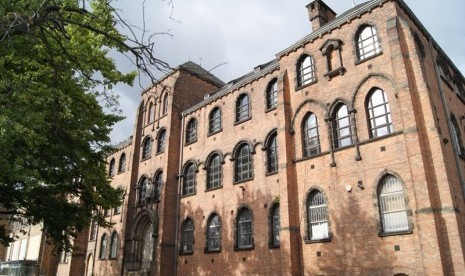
(107, 212)
(147, 247)
(161, 141)
(305, 71)
(165, 104)
(144, 193)
(146, 148)
(243, 166)
(242, 108)
(456, 137)
(191, 131)
(214, 233)
(392, 205)
(214, 172)
(274, 226)
(317, 216)
(158, 184)
(93, 230)
(342, 127)
(215, 121)
(117, 210)
(64, 256)
(103, 247)
(111, 169)
(189, 182)
(379, 113)
(367, 43)
(244, 229)
(122, 163)
(310, 134)
(272, 94)
(272, 154)
(187, 236)
(151, 113)
(113, 245)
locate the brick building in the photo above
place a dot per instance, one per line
(342, 156)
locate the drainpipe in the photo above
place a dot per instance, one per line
(178, 196)
(449, 123)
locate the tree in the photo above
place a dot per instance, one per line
(55, 70)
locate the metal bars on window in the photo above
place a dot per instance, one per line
(215, 120)
(272, 95)
(318, 220)
(306, 71)
(311, 135)
(214, 234)
(243, 164)
(244, 229)
(190, 176)
(367, 43)
(392, 205)
(214, 172)
(342, 127)
(379, 114)
(242, 108)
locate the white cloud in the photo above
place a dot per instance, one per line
(246, 33)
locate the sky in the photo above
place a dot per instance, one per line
(239, 35)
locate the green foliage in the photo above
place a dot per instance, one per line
(54, 71)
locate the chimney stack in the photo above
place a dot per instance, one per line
(319, 14)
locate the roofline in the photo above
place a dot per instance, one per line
(330, 26)
(231, 87)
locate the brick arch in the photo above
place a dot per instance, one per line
(375, 196)
(305, 210)
(300, 109)
(338, 101)
(384, 81)
(238, 145)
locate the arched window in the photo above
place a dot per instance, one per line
(272, 154)
(147, 247)
(93, 230)
(158, 184)
(305, 70)
(151, 113)
(272, 94)
(187, 236)
(111, 169)
(146, 148)
(456, 137)
(215, 121)
(342, 127)
(165, 104)
(189, 183)
(113, 245)
(379, 113)
(244, 229)
(310, 135)
(243, 163)
(367, 43)
(103, 247)
(161, 141)
(144, 190)
(392, 206)
(274, 226)
(214, 233)
(122, 163)
(317, 216)
(214, 172)
(191, 131)
(242, 108)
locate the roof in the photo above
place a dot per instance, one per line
(258, 72)
(196, 70)
(193, 69)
